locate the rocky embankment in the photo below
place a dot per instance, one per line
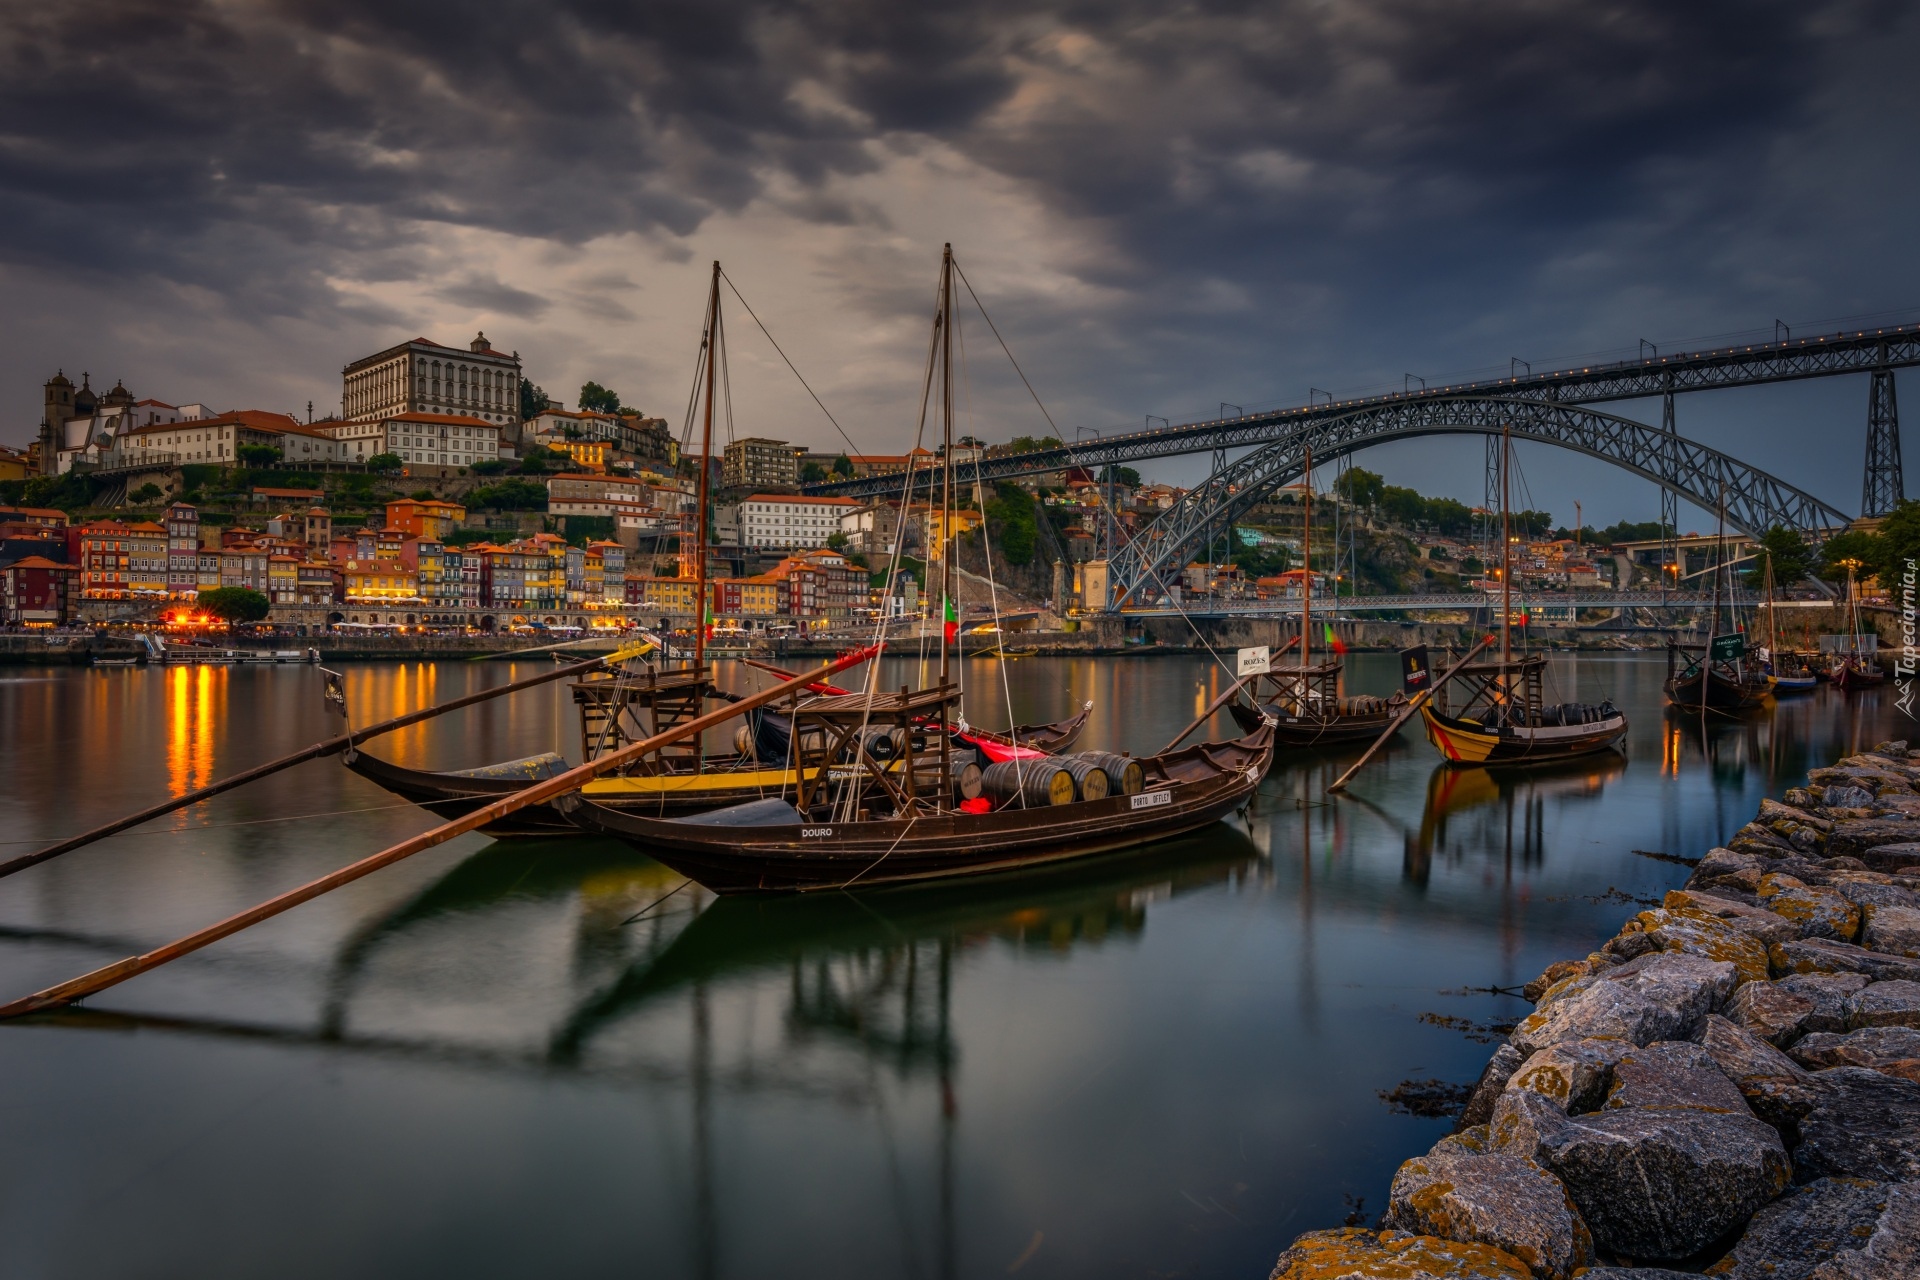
(1730, 1086)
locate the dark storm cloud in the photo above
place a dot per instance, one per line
(1206, 131)
(1274, 193)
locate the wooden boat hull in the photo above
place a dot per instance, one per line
(1720, 693)
(1467, 742)
(809, 856)
(1845, 677)
(1785, 685)
(450, 795)
(1306, 731)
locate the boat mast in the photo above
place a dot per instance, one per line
(944, 796)
(1306, 583)
(1506, 557)
(706, 463)
(945, 322)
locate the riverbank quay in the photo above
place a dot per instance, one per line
(81, 649)
(1729, 1086)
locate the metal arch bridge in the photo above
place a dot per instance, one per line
(1872, 351)
(1755, 501)
(1334, 607)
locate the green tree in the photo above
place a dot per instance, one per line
(1791, 558)
(533, 401)
(1017, 533)
(147, 493)
(508, 495)
(386, 463)
(1866, 552)
(843, 466)
(235, 604)
(812, 473)
(257, 455)
(598, 399)
(838, 541)
(1030, 444)
(489, 467)
(1900, 532)
(1120, 475)
(1259, 559)
(1360, 487)
(534, 463)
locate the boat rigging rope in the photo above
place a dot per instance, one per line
(911, 819)
(993, 587)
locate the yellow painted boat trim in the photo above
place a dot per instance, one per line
(1471, 748)
(676, 783)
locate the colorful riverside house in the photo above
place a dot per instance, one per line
(425, 517)
(122, 561)
(183, 550)
(34, 592)
(757, 597)
(319, 582)
(380, 581)
(283, 579)
(669, 596)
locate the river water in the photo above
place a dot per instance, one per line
(515, 1058)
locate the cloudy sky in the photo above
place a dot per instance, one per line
(1164, 206)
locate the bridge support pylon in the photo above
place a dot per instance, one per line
(1883, 487)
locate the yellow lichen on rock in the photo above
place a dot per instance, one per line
(1352, 1253)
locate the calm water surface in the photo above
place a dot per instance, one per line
(496, 1060)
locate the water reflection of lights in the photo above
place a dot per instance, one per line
(192, 723)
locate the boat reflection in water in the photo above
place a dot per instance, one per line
(1499, 811)
(659, 986)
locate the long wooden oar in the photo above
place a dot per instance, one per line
(1219, 702)
(539, 793)
(1414, 704)
(813, 686)
(332, 746)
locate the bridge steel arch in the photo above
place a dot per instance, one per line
(1755, 501)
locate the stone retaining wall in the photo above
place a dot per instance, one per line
(1729, 1086)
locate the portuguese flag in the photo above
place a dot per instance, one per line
(706, 621)
(952, 617)
(1334, 642)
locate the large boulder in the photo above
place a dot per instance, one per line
(1673, 1076)
(1574, 1073)
(1486, 1091)
(1726, 869)
(1895, 858)
(1688, 931)
(1803, 1228)
(1772, 1012)
(1494, 1199)
(1860, 1124)
(1656, 997)
(1820, 912)
(1885, 1004)
(1822, 955)
(1525, 1124)
(1892, 1050)
(1857, 835)
(1756, 922)
(1354, 1254)
(1830, 994)
(1662, 1185)
(1774, 1085)
(1873, 888)
(1890, 1252)
(1889, 927)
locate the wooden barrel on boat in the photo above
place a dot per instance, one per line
(1124, 775)
(1089, 779)
(1027, 784)
(966, 781)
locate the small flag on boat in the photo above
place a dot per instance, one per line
(951, 615)
(706, 621)
(1333, 641)
(336, 693)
